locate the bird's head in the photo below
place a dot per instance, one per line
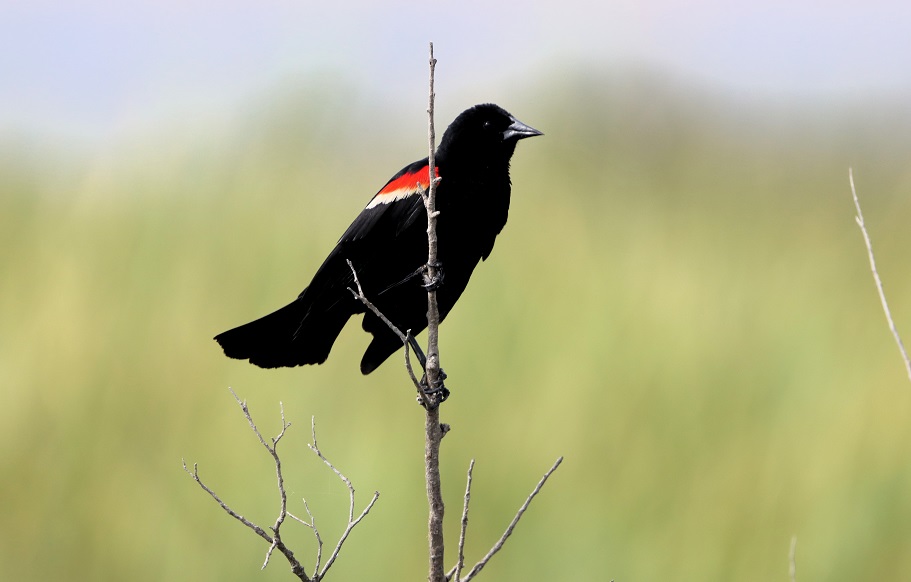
(484, 131)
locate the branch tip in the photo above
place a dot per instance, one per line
(859, 219)
(275, 541)
(515, 520)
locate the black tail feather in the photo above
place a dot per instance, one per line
(294, 335)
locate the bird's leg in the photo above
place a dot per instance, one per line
(433, 283)
(416, 348)
(437, 393)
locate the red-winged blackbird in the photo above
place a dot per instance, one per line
(387, 244)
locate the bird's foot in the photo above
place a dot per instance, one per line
(434, 395)
(435, 282)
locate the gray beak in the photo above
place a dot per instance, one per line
(518, 130)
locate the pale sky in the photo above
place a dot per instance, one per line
(92, 66)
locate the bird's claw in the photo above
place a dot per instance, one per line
(435, 282)
(434, 395)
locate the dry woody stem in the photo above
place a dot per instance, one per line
(432, 430)
(859, 218)
(464, 526)
(509, 529)
(275, 540)
(405, 337)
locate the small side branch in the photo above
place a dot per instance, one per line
(312, 525)
(194, 474)
(512, 525)
(859, 218)
(407, 338)
(274, 540)
(352, 521)
(464, 527)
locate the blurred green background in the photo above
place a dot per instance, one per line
(680, 305)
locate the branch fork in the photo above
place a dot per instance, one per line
(275, 540)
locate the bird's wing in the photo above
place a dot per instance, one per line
(386, 217)
(393, 209)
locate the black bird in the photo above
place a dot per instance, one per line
(387, 244)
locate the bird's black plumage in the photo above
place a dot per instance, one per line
(387, 244)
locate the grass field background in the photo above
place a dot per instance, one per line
(680, 305)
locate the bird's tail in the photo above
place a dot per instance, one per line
(291, 336)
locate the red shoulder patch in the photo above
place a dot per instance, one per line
(408, 184)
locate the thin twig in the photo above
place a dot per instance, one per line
(275, 541)
(351, 525)
(283, 509)
(879, 284)
(497, 546)
(464, 527)
(194, 474)
(352, 521)
(405, 337)
(792, 560)
(360, 296)
(319, 540)
(312, 525)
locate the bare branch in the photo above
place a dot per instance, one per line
(283, 510)
(359, 295)
(194, 474)
(351, 525)
(879, 284)
(433, 433)
(432, 274)
(269, 553)
(464, 527)
(275, 541)
(352, 522)
(499, 545)
(315, 448)
(312, 525)
(405, 337)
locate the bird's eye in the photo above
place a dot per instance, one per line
(487, 125)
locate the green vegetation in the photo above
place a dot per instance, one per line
(680, 305)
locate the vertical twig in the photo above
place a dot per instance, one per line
(433, 437)
(430, 203)
(512, 525)
(464, 528)
(433, 432)
(879, 284)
